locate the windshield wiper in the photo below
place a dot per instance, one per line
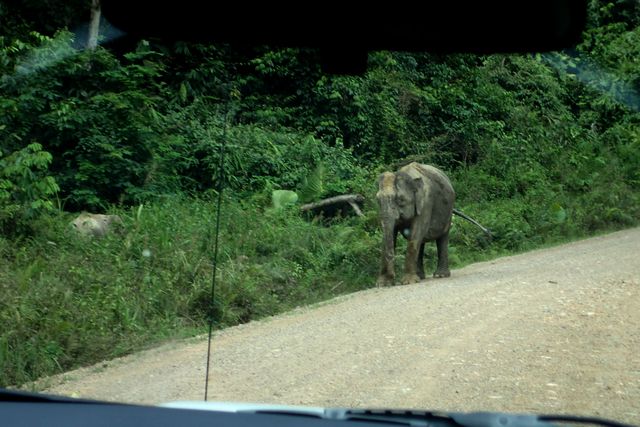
(465, 419)
(415, 418)
(571, 419)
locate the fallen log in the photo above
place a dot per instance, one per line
(344, 199)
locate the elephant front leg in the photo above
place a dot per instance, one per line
(411, 263)
(443, 257)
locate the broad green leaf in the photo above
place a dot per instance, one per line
(558, 213)
(282, 198)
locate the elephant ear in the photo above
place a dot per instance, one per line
(418, 187)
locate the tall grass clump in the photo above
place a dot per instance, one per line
(70, 301)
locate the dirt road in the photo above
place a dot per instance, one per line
(556, 330)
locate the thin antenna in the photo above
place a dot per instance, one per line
(215, 251)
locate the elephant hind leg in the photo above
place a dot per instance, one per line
(385, 280)
(420, 267)
(443, 256)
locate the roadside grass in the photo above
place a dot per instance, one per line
(69, 301)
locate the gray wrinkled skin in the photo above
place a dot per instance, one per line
(95, 225)
(417, 202)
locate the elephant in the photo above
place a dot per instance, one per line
(96, 225)
(416, 201)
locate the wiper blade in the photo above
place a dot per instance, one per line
(583, 420)
(415, 418)
(403, 417)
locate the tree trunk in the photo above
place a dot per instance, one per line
(94, 25)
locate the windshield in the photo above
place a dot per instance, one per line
(443, 231)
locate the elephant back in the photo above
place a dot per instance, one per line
(435, 175)
(431, 173)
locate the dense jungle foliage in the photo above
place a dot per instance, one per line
(541, 148)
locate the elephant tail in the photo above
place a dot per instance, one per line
(473, 221)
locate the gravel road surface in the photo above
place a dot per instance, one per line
(552, 331)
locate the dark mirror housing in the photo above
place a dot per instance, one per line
(346, 32)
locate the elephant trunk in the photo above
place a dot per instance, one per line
(388, 239)
(389, 217)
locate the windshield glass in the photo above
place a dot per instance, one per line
(442, 231)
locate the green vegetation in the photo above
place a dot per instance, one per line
(540, 148)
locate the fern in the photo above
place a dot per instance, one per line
(313, 185)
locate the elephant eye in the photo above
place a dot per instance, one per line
(402, 201)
